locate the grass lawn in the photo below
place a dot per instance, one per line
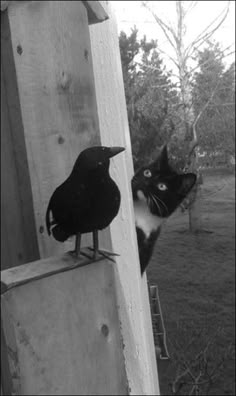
(195, 277)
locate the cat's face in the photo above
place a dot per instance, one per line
(160, 186)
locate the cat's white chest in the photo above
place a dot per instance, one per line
(144, 219)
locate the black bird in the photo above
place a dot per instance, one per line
(87, 201)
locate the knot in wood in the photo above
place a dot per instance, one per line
(61, 140)
(41, 229)
(105, 330)
(19, 49)
(65, 80)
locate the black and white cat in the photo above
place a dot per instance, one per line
(157, 191)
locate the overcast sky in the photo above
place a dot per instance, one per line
(130, 13)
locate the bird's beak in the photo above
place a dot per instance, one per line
(115, 150)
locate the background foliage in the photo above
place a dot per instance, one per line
(153, 102)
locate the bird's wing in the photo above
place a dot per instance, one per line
(68, 204)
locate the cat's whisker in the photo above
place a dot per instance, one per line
(157, 205)
(163, 203)
(149, 202)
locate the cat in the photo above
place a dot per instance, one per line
(157, 191)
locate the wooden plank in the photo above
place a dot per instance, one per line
(52, 54)
(26, 273)
(132, 290)
(56, 86)
(18, 230)
(4, 5)
(96, 12)
(6, 380)
(63, 333)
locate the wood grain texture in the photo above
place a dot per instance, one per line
(18, 229)
(132, 290)
(64, 338)
(51, 47)
(6, 380)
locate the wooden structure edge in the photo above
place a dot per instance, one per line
(96, 12)
(20, 275)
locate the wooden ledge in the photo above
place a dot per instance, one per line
(17, 276)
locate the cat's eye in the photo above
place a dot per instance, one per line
(162, 186)
(147, 173)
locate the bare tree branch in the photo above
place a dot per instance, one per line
(170, 57)
(167, 30)
(153, 68)
(205, 106)
(195, 374)
(190, 7)
(206, 33)
(222, 105)
(191, 71)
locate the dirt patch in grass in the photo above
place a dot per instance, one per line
(195, 277)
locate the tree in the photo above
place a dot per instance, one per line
(185, 139)
(150, 96)
(198, 360)
(217, 124)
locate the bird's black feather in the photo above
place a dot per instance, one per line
(88, 200)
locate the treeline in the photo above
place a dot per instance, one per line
(154, 102)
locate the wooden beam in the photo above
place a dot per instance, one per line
(132, 290)
(6, 379)
(52, 54)
(18, 230)
(53, 59)
(96, 12)
(62, 329)
(4, 4)
(36, 270)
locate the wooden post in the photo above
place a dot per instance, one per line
(52, 59)
(18, 230)
(132, 290)
(71, 96)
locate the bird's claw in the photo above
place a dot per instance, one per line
(104, 253)
(75, 254)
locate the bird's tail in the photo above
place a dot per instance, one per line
(48, 223)
(60, 234)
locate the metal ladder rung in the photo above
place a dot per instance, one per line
(158, 322)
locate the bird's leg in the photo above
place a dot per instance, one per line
(97, 251)
(95, 244)
(77, 244)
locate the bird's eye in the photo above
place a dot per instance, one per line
(162, 186)
(147, 173)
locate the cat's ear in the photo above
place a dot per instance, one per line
(187, 182)
(163, 158)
